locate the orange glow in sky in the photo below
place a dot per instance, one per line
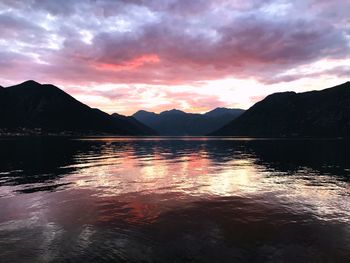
(131, 64)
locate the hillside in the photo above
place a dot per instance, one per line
(31, 105)
(324, 113)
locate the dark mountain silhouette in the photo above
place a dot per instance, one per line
(31, 105)
(136, 124)
(324, 113)
(218, 112)
(176, 123)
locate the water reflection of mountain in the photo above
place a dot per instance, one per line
(37, 160)
(331, 157)
(288, 156)
(216, 150)
(40, 160)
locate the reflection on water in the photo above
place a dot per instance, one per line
(174, 200)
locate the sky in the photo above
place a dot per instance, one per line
(193, 55)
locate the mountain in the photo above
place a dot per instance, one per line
(178, 123)
(218, 112)
(324, 113)
(31, 105)
(136, 124)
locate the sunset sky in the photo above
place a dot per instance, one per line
(193, 55)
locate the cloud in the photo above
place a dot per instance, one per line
(170, 42)
(214, 42)
(338, 71)
(126, 96)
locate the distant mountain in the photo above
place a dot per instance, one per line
(31, 105)
(178, 123)
(136, 124)
(218, 112)
(324, 113)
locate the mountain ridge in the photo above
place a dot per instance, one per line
(31, 105)
(179, 123)
(318, 113)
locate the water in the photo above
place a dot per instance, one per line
(174, 200)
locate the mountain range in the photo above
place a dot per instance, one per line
(31, 105)
(178, 123)
(47, 109)
(324, 113)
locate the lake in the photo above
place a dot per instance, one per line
(174, 200)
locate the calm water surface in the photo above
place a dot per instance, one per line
(174, 200)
